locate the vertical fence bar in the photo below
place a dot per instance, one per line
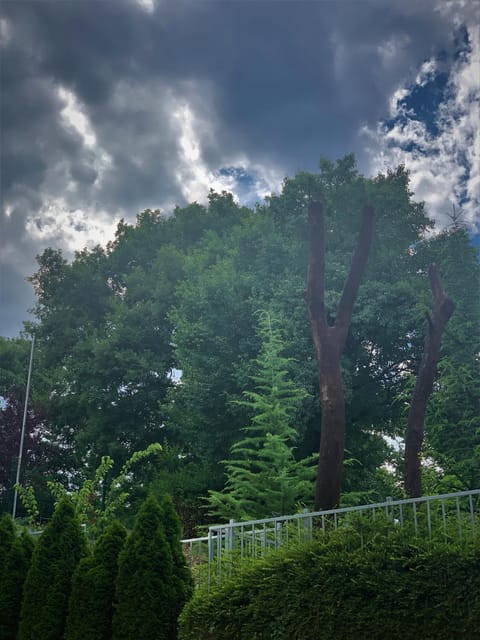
(444, 517)
(429, 520)
(472, 513)
(401, 514)
(459, 518)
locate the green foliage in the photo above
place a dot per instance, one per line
(147, 592)
(398, 588)
(96, 504)
(27, 497)
(12, 578)
(90, 608)
(262, 473)
(47, 586)
(182, 293)
(7, 536)
(182, 576)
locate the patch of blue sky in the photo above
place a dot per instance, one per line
(249, 184)
(423, 101)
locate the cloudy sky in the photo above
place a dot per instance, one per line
(112, 106)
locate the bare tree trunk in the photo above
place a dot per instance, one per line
(329, 342)
(436, 323)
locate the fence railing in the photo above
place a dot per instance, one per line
(451, 515)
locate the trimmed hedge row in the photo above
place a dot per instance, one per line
(399, 588)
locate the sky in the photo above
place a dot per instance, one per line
(109, 107)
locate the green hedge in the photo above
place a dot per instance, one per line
(398, 588)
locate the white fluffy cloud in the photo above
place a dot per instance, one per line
(444, 163)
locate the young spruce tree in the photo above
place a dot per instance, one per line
(146, 594)
(263, 476)
(90, 609)
(47, 586)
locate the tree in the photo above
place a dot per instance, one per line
(12, 579)
(436, 323)
(263, 476)
(47, 586)
(145, 591)
(37, 449)
(182, 576)
(90, 610)
(329, 342)
(452, 423)
(7, 536)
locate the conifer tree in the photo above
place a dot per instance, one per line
(47, 586)
(145, 591)
(90, 609)
(16, 565)
(263, 476)
(7, 536)
(182, 576)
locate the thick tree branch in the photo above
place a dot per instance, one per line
(357, 269)
(315, 293)
(329, 342)
(436, 322)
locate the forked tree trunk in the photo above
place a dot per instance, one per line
(329, 342)
(436, 322)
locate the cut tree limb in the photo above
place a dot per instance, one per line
(329, 342)
(436, 322)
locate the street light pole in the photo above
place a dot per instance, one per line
(22, 436)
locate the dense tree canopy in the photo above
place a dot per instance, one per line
(152, 338)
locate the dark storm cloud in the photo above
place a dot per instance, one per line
(281, 82)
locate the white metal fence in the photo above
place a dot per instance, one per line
(452, 516)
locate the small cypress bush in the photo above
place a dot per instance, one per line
(47, 586)
(13, 577)
(90, 609)
(7, 536)
(145, 591)
(182, 576)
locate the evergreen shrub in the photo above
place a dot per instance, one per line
(90, 609)
(47, 585)
(397, 588)
(15, 570)
(147, 588)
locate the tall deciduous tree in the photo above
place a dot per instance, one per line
(436, 322)
(329, 342)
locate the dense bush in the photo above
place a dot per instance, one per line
(16, 564)
(93, 588)
(147, 591)
(398, 588)
(7, 536)
(182, 576)
(48, 582)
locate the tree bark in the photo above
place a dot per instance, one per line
(329, 342)
(436, 323)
